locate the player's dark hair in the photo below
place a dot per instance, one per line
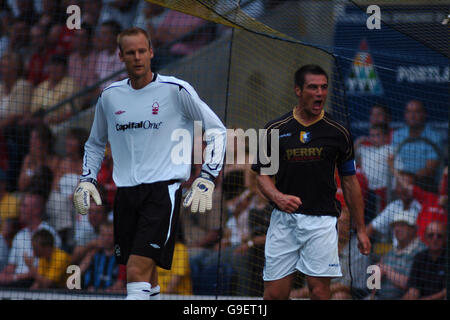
(299, 77)
(44, 238)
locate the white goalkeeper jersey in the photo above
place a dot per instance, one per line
(151, 132)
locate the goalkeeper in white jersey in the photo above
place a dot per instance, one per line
(139, 116)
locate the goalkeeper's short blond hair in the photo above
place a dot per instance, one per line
(133, 31)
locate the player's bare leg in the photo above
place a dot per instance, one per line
(155, 290)
(139, 272)
(278, 289)
(319, 287)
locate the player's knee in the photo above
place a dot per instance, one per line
(319, 292)
(275, 293)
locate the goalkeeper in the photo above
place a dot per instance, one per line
(140, 116)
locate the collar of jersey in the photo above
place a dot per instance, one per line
(307, 125)
(153, 80)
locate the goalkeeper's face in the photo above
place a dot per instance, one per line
(136, 53)
(313, 95)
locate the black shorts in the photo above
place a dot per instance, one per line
(146, 220)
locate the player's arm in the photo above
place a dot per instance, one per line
(436, 296)
(199, 198)
(355, 203)
(411, 294)
(285, 202)
(94, 150)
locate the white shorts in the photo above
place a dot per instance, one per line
(301, 242)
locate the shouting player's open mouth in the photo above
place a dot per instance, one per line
(317, 104)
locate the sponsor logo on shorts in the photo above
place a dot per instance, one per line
(154, 245)
(333, 265)
(117, 250)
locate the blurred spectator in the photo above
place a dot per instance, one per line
(108, 61)
(15, 92)
(52, 262)
(15, 98)
(233, 244)
(178, 35)
(19, 38)
(122, 11)
(41, 153)
(420, 157)
(379, 115)
(373, 158)
(72, 161)
(41, 52)
(427, 280)
(249, 279)
(253, 8)
(5, 159)
(177, 280)
(432, 209)
(443, 189)
(9, 228)
(87, 229)
(5, 26)
(32, 208)
(60, 212)
(82, 62)
(60, 39)
(149, 17)
(53, 12)
(201, 232)
(9, 204)
(56, 89)
(26, 11)
(405, 204)
(91, 12)
(105, 176)
(4, 249)
(99, 268)
(59, 205)
(395, 265)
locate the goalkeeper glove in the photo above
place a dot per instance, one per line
(200, 195)
(81, 197)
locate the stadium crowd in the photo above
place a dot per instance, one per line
(402, 173)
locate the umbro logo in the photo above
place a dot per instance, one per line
(119, 112)
(285, 135)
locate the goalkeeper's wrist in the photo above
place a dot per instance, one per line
(91, 180)
(207, 176)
